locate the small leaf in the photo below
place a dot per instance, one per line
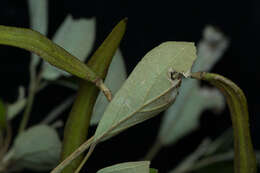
(38, 11)
(113, 82)
(245, 159)
(77, 37)
(151, 88)
(37, 148)
(128, 167)
(210, 49)
(52, 53)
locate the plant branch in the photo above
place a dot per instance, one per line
(245, 158)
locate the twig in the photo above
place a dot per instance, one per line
(34, 83)
(74, 155)
(92, 147)
(27, 110)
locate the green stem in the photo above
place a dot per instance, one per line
(33, 86)
(28, 109)
(83, 147)
(77, 125)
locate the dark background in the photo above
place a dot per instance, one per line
(149, 24)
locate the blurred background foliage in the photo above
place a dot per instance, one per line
(149, 24)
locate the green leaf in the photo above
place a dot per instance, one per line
(2, 116)
(178, 120)
(245, 159)
(77, 125)
(52, 53)
(152, 170)
(77, 37)
(128, 167)
(151, 88)
(114, 82)
(38, 11)
(37, 148)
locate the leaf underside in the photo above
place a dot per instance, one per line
(150, 89)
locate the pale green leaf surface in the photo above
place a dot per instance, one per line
(37, 148)
(115, 78)
(210, 49)
(15, 108)
(77, 36)
(128, 167)
(149, 89)
(38, 11)
(186, 111)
